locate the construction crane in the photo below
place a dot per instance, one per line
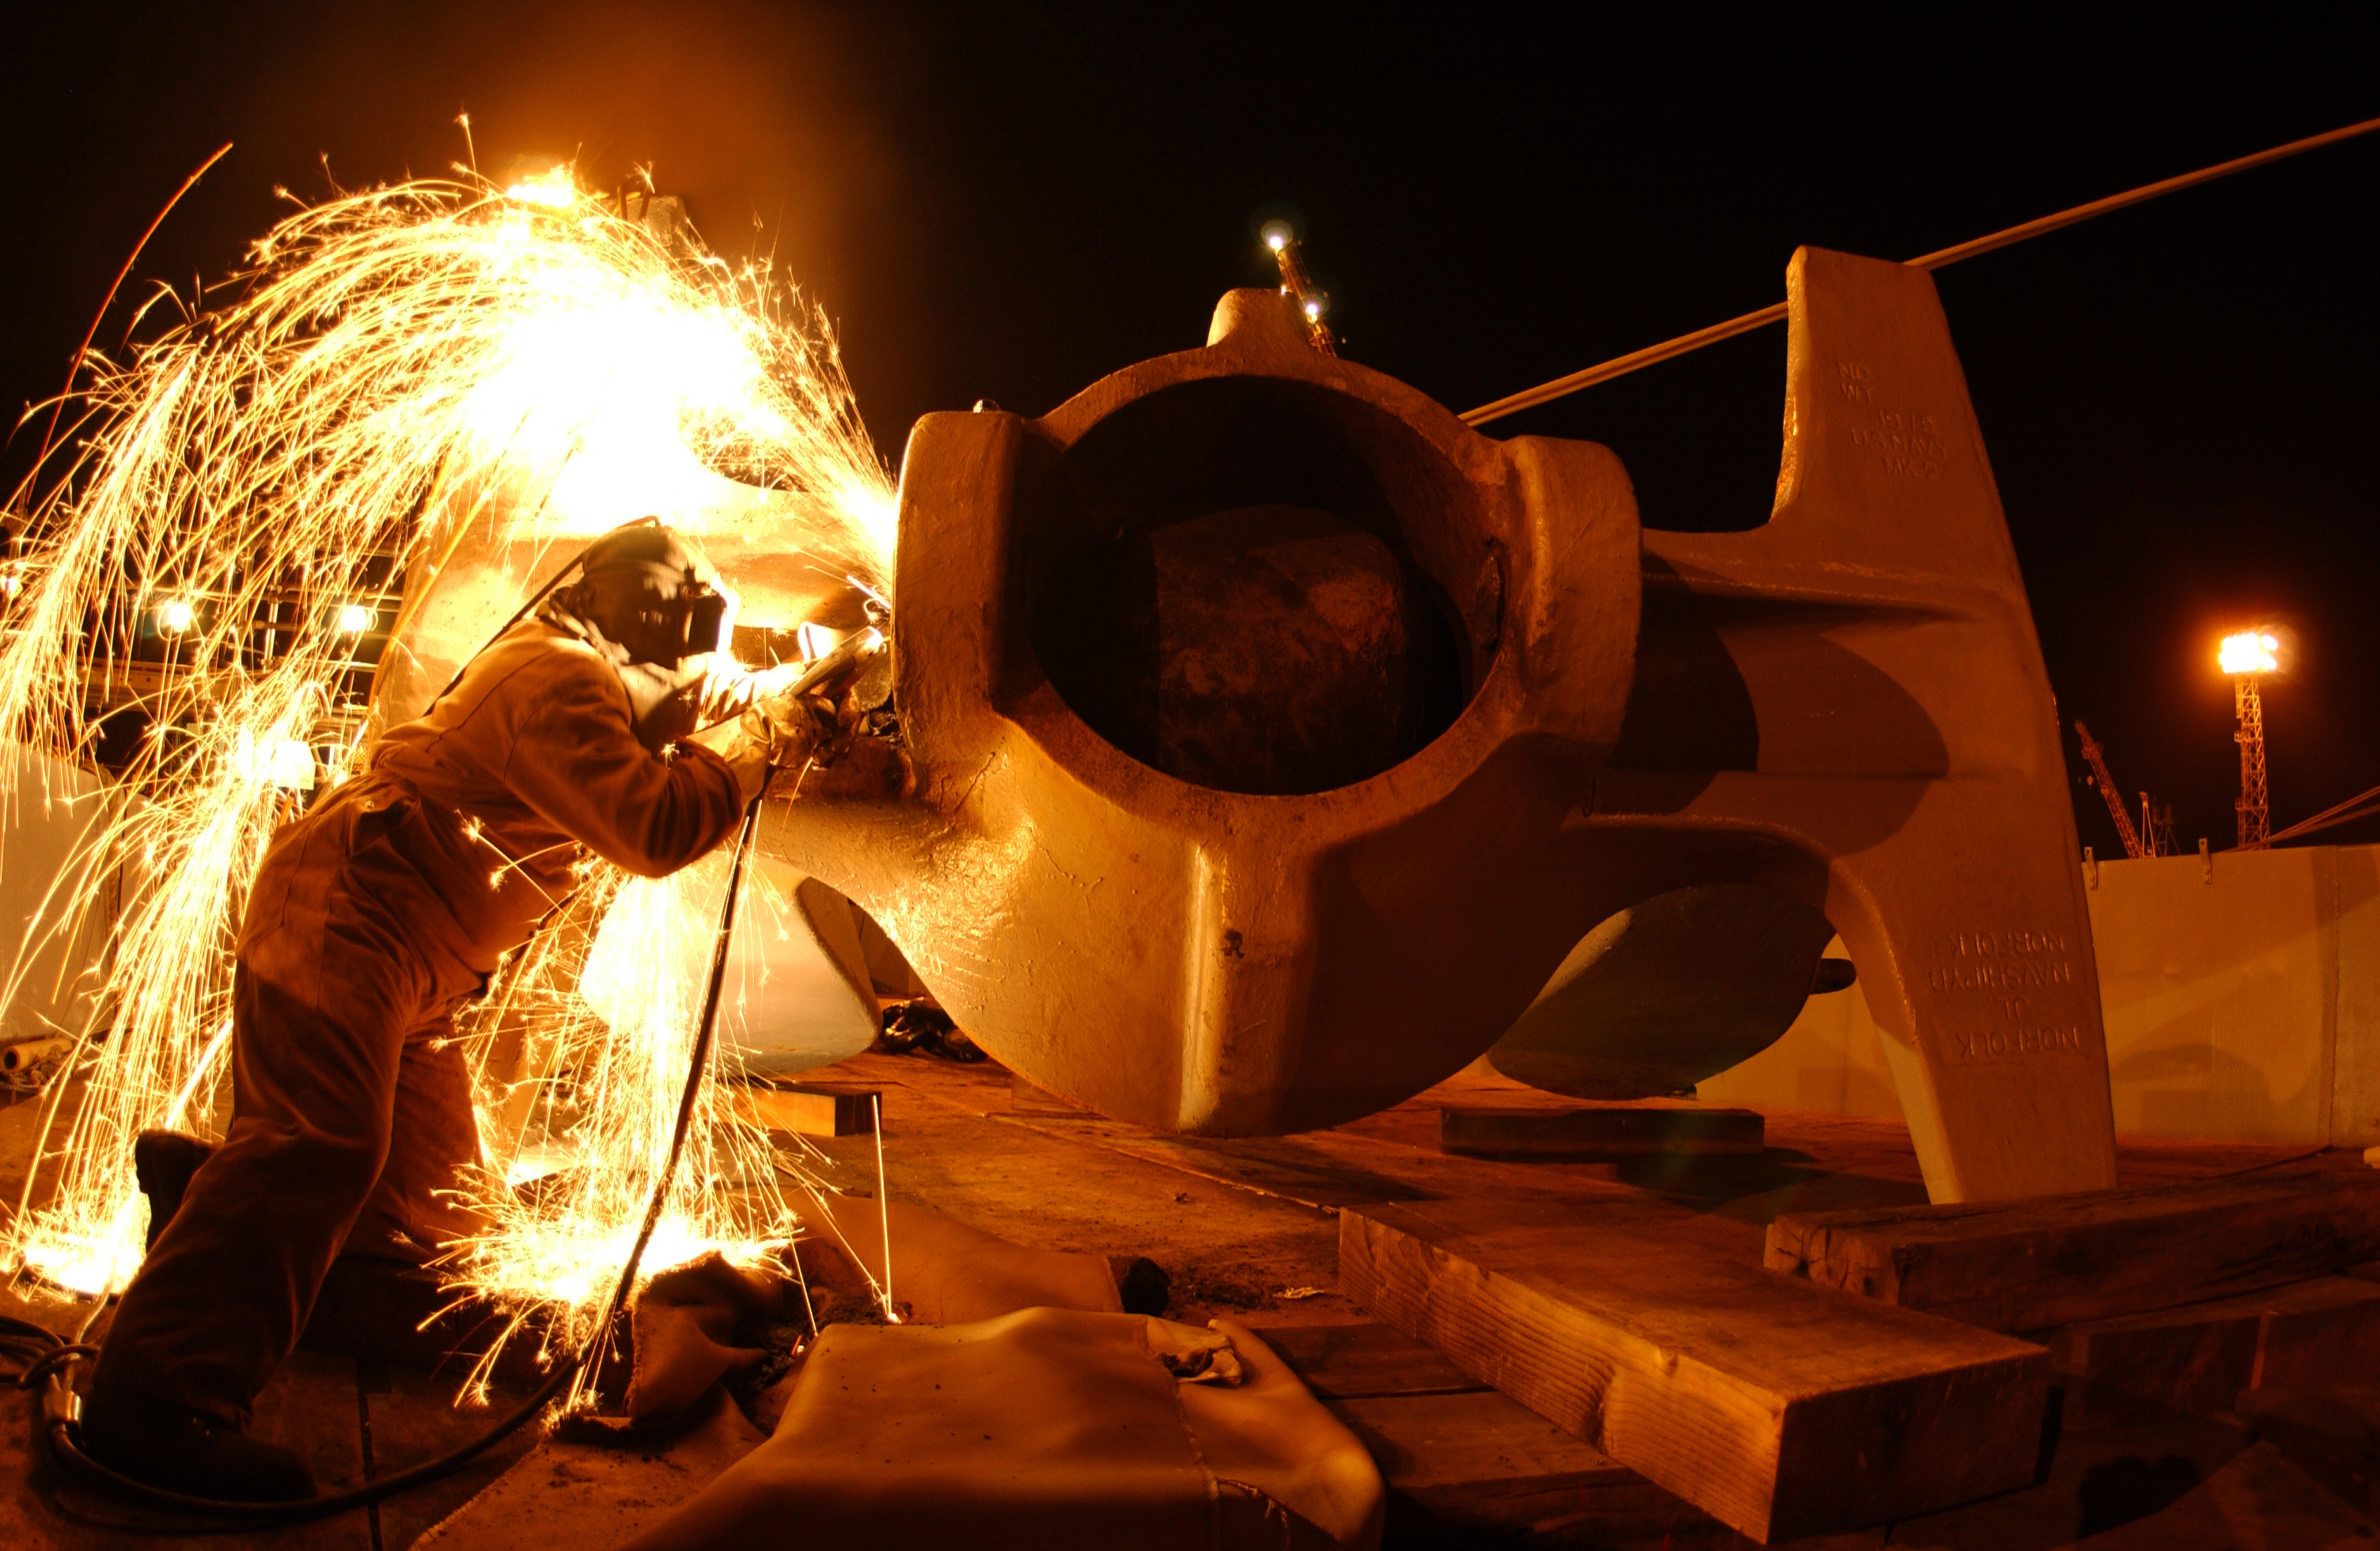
(2106, 785)
(2156, 827)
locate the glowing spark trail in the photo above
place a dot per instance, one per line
(227, 518)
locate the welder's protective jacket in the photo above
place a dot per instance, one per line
(533, 753)
(370, 919)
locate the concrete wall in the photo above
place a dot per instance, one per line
(42, 812)
(2241, 999)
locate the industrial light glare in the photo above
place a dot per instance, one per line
(175, 616)
(1313, 307)
(1278, 235)
(355, 619)
(2250, 652)
(288, 763)
(552, 189)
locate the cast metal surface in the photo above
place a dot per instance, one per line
(1278, 736)
(1668, 991)
(1847, 705)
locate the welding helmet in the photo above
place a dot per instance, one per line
(650, 591)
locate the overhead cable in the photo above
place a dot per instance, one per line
(1545, 393)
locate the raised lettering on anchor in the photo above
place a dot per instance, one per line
(1996, 1044)
(2018, 977)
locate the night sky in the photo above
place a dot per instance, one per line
(996, 202)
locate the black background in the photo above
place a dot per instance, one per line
(1008, 203)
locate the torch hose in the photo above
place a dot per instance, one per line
(61, 1406)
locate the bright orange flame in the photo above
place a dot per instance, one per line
(2250, 651)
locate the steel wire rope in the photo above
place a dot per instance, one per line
(1686, 344)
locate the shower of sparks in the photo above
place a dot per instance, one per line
(229, 515)
(582, 1051)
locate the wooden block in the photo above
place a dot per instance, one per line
(1778, 1409)
(809, 1109)
(1479, 1465)
(2317, 1333)
(2055, 1260)
(1461, 1461)
(1288, 1168)
(1598, 1132)
(2200, 1357)
(2331, 1431)
(1364, 1359)
(2195, 1358)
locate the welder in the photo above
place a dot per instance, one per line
(371, 920)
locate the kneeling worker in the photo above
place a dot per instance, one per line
(371, 920)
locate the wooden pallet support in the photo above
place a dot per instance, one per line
(1465, 1465)
(1778, 1409)
(1598, 1132)
(2032, 1265)
(2201, 1357)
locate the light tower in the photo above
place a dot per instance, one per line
(2248, 657)
(1282, 238)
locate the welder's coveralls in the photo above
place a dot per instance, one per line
(370, 919)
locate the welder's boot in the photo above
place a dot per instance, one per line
(188, 1452)
(162, 1161)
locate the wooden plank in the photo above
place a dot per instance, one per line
(2199, 1357)
(1478, 1440)
(1364, 1359)
(1287, 1167)
(2031, 1265)
(1779, 1408)
(2322, 1331)
(1597, 1132)
(1479, 1467)
(2327, 1432)
(808, 1108)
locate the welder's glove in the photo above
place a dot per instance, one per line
(747, 760)
(785, 728)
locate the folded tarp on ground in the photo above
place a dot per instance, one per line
(947, 1272)
(1017, 1407)
(1041, 1427)
(695, 1323)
